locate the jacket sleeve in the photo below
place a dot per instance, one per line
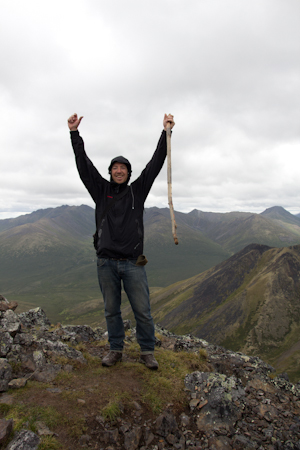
(89, 175)
(154, 166)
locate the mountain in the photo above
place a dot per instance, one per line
(47, 257)
(169, 262)
(248, 303)
(275, 227)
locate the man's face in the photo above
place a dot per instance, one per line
(119, 173)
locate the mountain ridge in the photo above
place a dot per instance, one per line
(52, 252)
(248, 303)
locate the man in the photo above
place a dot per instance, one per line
(119, 241)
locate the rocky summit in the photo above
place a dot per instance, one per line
(236, 403)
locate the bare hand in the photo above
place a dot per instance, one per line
(168, 119)
(74, 122)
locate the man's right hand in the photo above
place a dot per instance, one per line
(74, 122)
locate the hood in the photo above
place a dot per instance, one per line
(122, 160)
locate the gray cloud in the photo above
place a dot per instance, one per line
(228, 71)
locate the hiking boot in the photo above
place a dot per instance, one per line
(111, 358)
(149, 361)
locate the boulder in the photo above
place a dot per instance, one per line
(34, 317)
(10, 322)
(5, 374)
(6, 342)
(217, 399)
(25, 440)
(6, 427)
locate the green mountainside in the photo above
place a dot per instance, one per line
(47, 258)
(248, 303)
(169, 262)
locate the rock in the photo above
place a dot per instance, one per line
(10, 322)
(283, 375)
(17, 383)
(166, 424)
(5, 374)
(34, 317)
(148, 436)
(6, 427)
(5, 305)
(6, 399)
(60, 349)
(39, 359)
(184, 420)
(219, 443)
(47, 373)
(27, 363)
(241, 442)
(127, 324)
(84, 439)
(42, 429)
(132, 438)
(68, 368)
(79, 333)
(6, 342)
(54, 390)
(221, 400)
(266, 412)
(110, 436)
(25, 440)
(24, 339)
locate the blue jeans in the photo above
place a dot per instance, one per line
(110, 274)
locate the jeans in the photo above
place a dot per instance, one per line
(110, 274)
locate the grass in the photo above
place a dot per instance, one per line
(50, 443)
(21, 415)
(112, 393)
(167, 384)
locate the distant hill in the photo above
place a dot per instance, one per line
(275, 227)
(249, 303)
(47, 257)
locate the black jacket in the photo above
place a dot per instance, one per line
(121, 232)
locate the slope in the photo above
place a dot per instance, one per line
(250, 303)
(168, 262)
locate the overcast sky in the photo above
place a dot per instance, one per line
(229, 71)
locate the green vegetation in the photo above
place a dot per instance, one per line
(111, 411)
(92, 390)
